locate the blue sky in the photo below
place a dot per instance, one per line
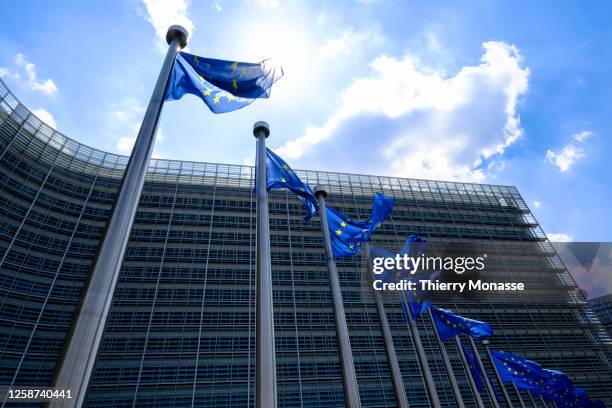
(513, 93)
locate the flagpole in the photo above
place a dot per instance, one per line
(349, 379)
(533, 403)
(396, 374)
(485, 343)
(543, 402)
(518, 393)
(484, 373)
(468, 373)
(430, 386)
(265, 362)
(447, 364)
(76, 366)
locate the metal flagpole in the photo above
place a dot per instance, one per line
(349, 379)
(76, 366)
(430, 386)
(468, 373)
(485, 343)
(447, 364)
(265, 362)
(533, 403)
(543, 402)
(396, 375)
(518, 393)
(484, 374)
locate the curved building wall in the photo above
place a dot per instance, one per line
(181, 327)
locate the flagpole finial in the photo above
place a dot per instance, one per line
(177, 31)
(261, 126)
(320, 191)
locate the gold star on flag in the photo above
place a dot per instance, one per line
(343, 224)
(206, 92)
(235, 84)
(230, 97)
(217, 98)
(283, 180)
(196, 59)
(234, 65)
(201, 79)
(338, 232)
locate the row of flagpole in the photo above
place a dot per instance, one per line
(181, 74)
(350, 387)
(350, 245)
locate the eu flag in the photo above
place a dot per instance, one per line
(525, 374)
(346, 235)
(450, 324)
(416, 307)
(474, 367)
(557, 385)
(574, 397)
(223, 85)
(558, 379)
(414, 246)
(280, 175)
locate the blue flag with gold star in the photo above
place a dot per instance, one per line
(416, 308)
(450, 324)
(474, 367)
(224, 86)
(280, 175)
(551, 388)
(525, 374)
(346, 235)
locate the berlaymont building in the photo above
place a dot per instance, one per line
(181, 328)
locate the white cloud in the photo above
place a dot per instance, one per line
(46, 117)
(164, 13)
(126, 117)
(350, 40)
(416, 122)
(45, 86)
(570, 154)
(321, 18)
(582, 136)
(4, 72)
(271, 5)
(125, 143)
(537, 204)
(559, 237)
(566, 158)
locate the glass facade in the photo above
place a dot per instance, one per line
(602, 308)
(181, 327)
